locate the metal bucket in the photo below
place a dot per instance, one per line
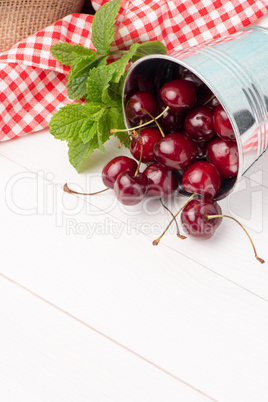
(235, 69)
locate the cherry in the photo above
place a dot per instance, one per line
(130, 189)
(202, 178)
(115, 167)
(170, 121)
(199, 124)
(201, 147)
(148, 137)
(175, 151)
(222, 124)
(202, 91)
(140, 103)
(179, 95)
(164, 73)
(162, 181)
(188, 75)
(194, 221)
(224, 155)
(200, 217)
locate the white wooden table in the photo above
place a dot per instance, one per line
(90, 311)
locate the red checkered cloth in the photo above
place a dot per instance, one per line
(33, 83)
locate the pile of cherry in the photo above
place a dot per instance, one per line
(184, 136)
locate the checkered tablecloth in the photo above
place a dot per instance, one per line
(33, 83)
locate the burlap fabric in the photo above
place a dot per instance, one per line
(21, 18)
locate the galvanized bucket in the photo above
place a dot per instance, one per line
(235, 69)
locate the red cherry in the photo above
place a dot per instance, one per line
(188, 75)
(171, 122)
(149, 137)
(201, 217)
(202, 91)
(137, 106)
(179, 95)
(115, 167)
(201, 147)
(199, 124)
(130, 189)
(175, 151)
(162, 181)
(202, 178)
(224, 155)
(193, 217)
(222, 124)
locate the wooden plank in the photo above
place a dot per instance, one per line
(46, 355)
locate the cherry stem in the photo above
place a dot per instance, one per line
(174, 218)
(117, 130)
(128, 136)
(209, 99)
(132, 134)
(141, 153)
(156, 241)
(122, 142)
(230, 217)
(156, 122)
(68, 190)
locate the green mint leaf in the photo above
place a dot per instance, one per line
(115, 119)
(69, 54)
(98, 134)
(103, 29)
(78, 76)
(88, 131)
(104, 82)
(98, 84)
(119, 66)
(94, 113)
(67, 122)
(102, 61)
(150, 47)
(86, 128)
(77, 120)
(103, 134)
(115, 92)
(93, 110)
(79, 151)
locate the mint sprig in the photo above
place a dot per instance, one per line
(85, 126)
